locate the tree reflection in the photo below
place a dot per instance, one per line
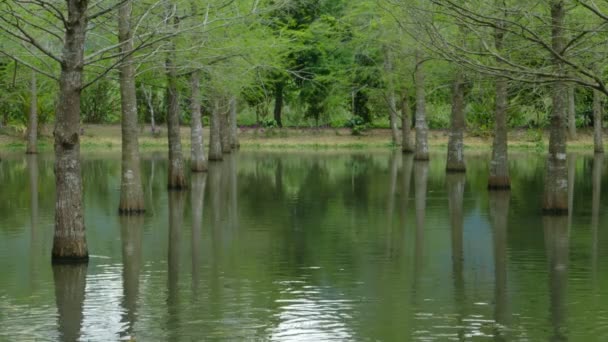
(455, 183)
(131, 230)
(499, 216)
(421, 173)
(557, 248)
(598, 167)
(70, 283)
(199, 182)
(176, 211)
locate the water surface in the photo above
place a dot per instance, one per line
(312, 246)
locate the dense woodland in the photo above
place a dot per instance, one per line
(477, 65)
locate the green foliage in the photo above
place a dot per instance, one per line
(100, 103)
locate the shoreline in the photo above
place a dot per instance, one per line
(107, 137)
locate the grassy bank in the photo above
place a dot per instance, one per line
(106, 137)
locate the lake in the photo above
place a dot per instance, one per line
(318, 246)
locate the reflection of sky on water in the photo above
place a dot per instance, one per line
(308, 313)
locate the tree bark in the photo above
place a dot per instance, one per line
(69, 240)
(598, 115)
(198, 158)
(422, 147)
(32, 128)
(556, 181)
(215, 144)
(131, 192)
(571, 113)
(392, 103)
(278, 103)
(455, 159)
(499, 166)
(234, 133)
(176, 181)
(407, 145)
(225, 131)
(500, 178)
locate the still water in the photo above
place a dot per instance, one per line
(312, 246)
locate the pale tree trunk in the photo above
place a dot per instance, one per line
(225, 131)
(500, 178)
(215, 144)
(422, 147)
(571, 113)
(32, 127)
(598, 115)
(557, 246)
(455, 160)
(69, 240)
(70, 283)
(234, 131)
(177, 180)
(499, 218)
(131, 192)
(390, 95)
(407, 145)
(556, 181)
(131, 235)
(198, 161)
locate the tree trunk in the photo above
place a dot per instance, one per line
(455, 160)
(571, 113)
(598, 115)
(69, 240)
(176, 181)
(215, 144)
(499, 217)
(225, 130)
(198, 158)
(499, 166)
(131, 233)
(392, 103)
(278, 103)
(32, 128)
(131, 192)
(70, 283)
(234, 133)
(406, 122)
(422, 147)
(556, 181)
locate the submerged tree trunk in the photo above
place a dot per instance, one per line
(406, 122)
(422, 147)
(32, 127)
(278, 103)
(455, 160)
(598, 115)
(70, 283)
(571, 112)
(69, 240)
(176, 181)
(225, 131)
(131, 192)
(556, 181)
(198, 162)
(390, 96)
(234, 132)
(215, 144)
